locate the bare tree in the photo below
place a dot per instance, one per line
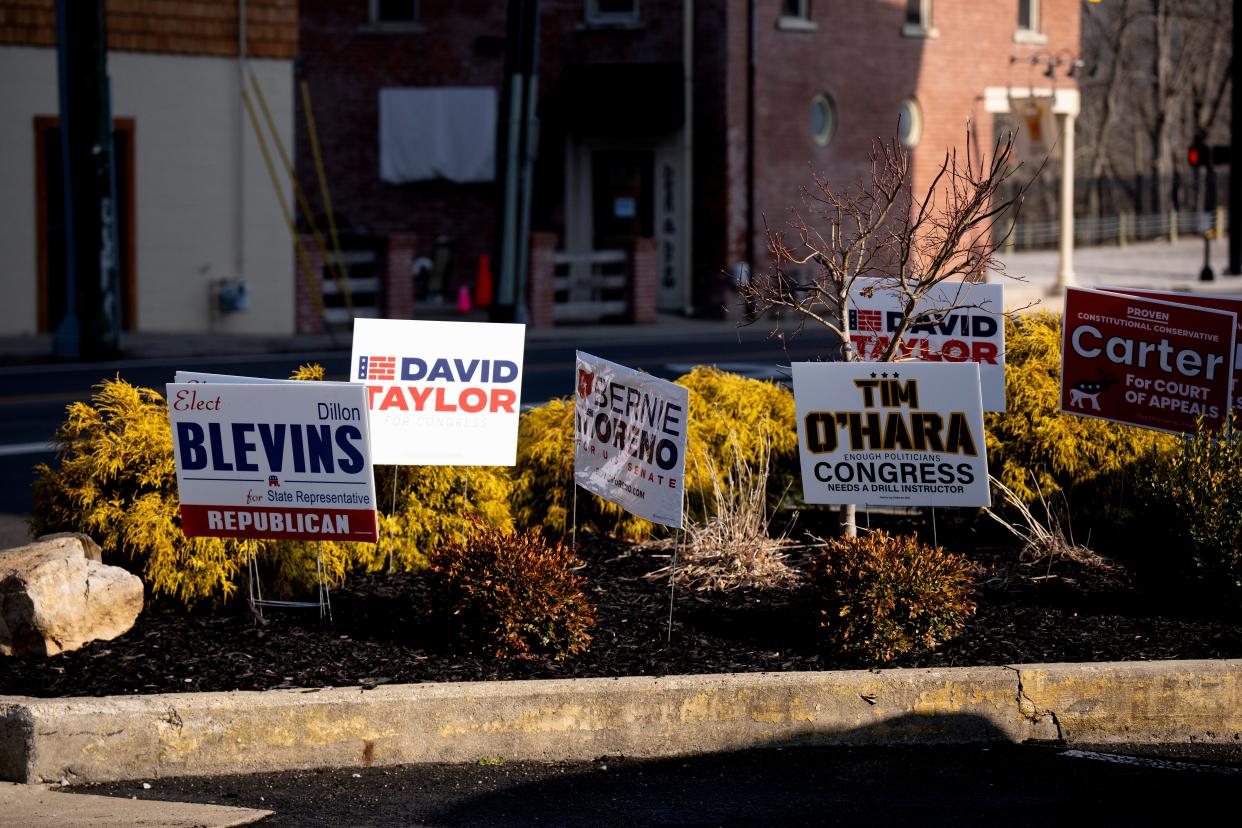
(898, 241)
(1157, 73)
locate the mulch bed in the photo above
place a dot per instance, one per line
(381, 635)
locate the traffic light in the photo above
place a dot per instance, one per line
(1199, 155)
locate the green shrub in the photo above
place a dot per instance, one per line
(880, 596)
(1082, 457)
(1193, 502)
(728, 413)
(513, 595)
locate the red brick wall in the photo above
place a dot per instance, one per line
(641, 289)
(539, 284)
(190, 27)
(859, 55)
(308, 298)
(398, 297)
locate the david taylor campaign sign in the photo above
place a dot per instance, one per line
(963, 323)
(630, 439)
(441, 393)
(891, 433)
(285, 461)
(1146, 362)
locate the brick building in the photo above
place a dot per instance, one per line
(626, 186)
(198, 216)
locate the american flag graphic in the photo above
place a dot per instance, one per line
(867, 320)
(377, 367)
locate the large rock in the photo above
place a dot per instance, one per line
(56, 595)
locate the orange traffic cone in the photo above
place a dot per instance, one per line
(463, 300)
(483, 283)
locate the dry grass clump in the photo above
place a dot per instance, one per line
(1042, 543)
(732, 548)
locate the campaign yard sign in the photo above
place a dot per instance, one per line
(282, 461)
(891, 433)
(1144, 361)
(441, 393)
(1229, 304)
(630, 439)
(964, 324)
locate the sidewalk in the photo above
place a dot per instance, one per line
(1151, 265)
(1032, 276)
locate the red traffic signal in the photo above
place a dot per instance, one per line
(1198, 155)
(1201, 154)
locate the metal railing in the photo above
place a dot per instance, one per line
(1119, 229)
(590, 286)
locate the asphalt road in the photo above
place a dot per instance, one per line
(960, 786)
(33, 397)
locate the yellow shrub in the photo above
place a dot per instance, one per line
(726, 408)
(723, 408)
(116, 481)
(1063, 451)
(434, 505)
(544, 475)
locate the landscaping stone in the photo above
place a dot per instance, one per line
(57, 595)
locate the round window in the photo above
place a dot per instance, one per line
(823, 118)
(910, 123)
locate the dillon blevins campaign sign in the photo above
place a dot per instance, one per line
(287, 461)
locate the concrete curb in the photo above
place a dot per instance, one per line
(117, 738)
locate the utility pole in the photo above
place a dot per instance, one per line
(91, 326)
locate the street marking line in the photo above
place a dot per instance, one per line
(1148, 762)
(26, 448)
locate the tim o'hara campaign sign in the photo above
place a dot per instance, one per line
(1229, 304)
(630, 439)
(441, 393)
(1144, 361)
(281, 461)
(955, 322)
(893, 434)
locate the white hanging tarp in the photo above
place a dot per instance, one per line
(439, 132)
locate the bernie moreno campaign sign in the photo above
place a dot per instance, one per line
(891, 433)
(286, 461)
(954, 322)
(441, 393)
(630, 439)
(1229, 304)
(1144, 361)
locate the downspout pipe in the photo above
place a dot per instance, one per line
(751, 65)
(687, 132)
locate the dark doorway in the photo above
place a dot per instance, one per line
(622, 184)
(50, 219)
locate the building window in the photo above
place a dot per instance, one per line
(795, 16)
(612, 12)
(823, 118)
(394, 11)
(1028, 23)
(910, 123)
(919, 19)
